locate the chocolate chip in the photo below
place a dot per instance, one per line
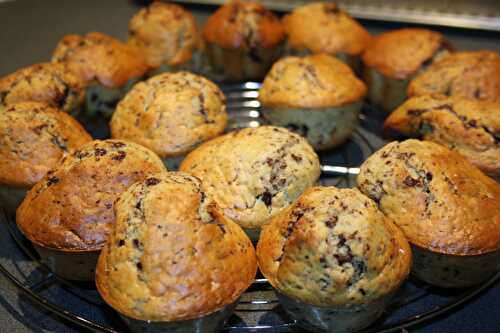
(139, 266)
(118, 144)
(119, 156)
(152, 181)
(296, 158)
(428, 176)
(121, 242)
(100, 152)
(409, 181)
(266, 197)
(108, 205)
(52, 180)
(331, 222)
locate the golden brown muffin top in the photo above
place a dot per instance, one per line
(33, 138)
(100, 57)
(165, 33)
(71, 208)
(472, 74)
(243, 25)
(468, 126)
(46, 82)
(333, 247)
(172, 255)
(321, 27)
(398, 54)
(171, 113)
(315, 81)
(441, 202)
(254, 173)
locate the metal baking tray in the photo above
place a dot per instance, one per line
(258, 309)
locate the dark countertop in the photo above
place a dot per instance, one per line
(29, 30)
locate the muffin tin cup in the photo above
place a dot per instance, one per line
(385, 92)
(333, 319)
(253, 234)
(240, 65)
(324, 128)
(174, 162)
(213, 322)
(11, 198)
(71, 265)
(453, 271)
(198, 64)
(101, 101)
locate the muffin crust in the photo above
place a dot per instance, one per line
(33, 138)
(45, 82)
(441, 202)
(398, 54)
(333, 247)
(71, 208)
(322, 27)
(254, 173)
(243, 25)
(471, 74)
(172, 255)
(165, 33)
(468, 126)
(99, 57)
(314, 81)
(171, 113)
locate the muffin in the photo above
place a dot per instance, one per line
(242, 39)
(254, 173)
(334, 259)
(167, 36)
(396, 57)
(107, 66)
(471, 74)
(69, 213)
(316, 96)
(171, 114)
(471, 127)
(46, 82)
(446, 207)
(173, 262)
(321, 27)
(33, 138)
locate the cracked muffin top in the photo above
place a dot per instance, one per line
(322, 27)
(172, 255)
(71, 208)
(171, 113)
(33, 138)
(468, 126)
(243, 25)
(333, 247)
(472, 74)
(440, 201)
(398, 54)
(314, 81)
(46, 82)
(165, 34)
(99, 57)
(254, 173)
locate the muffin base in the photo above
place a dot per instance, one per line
(213, 322)
(324, 128)
(11, 197)
(333, 319)
(450, 271)
(102, 101)
(75, 266)
(385, 92)
(240, 65)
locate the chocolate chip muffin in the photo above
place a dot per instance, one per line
(171, 114)
(471, 127)
(316, 96)
(243, 39)
(471, 74)
(173, 262)
(322, 27)
(167, 36)
(447, 208)
(334, 259)
(254, 173)
(46, 82)
(33, 138)
(108, 66)
(396, 57)
(69, 213)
